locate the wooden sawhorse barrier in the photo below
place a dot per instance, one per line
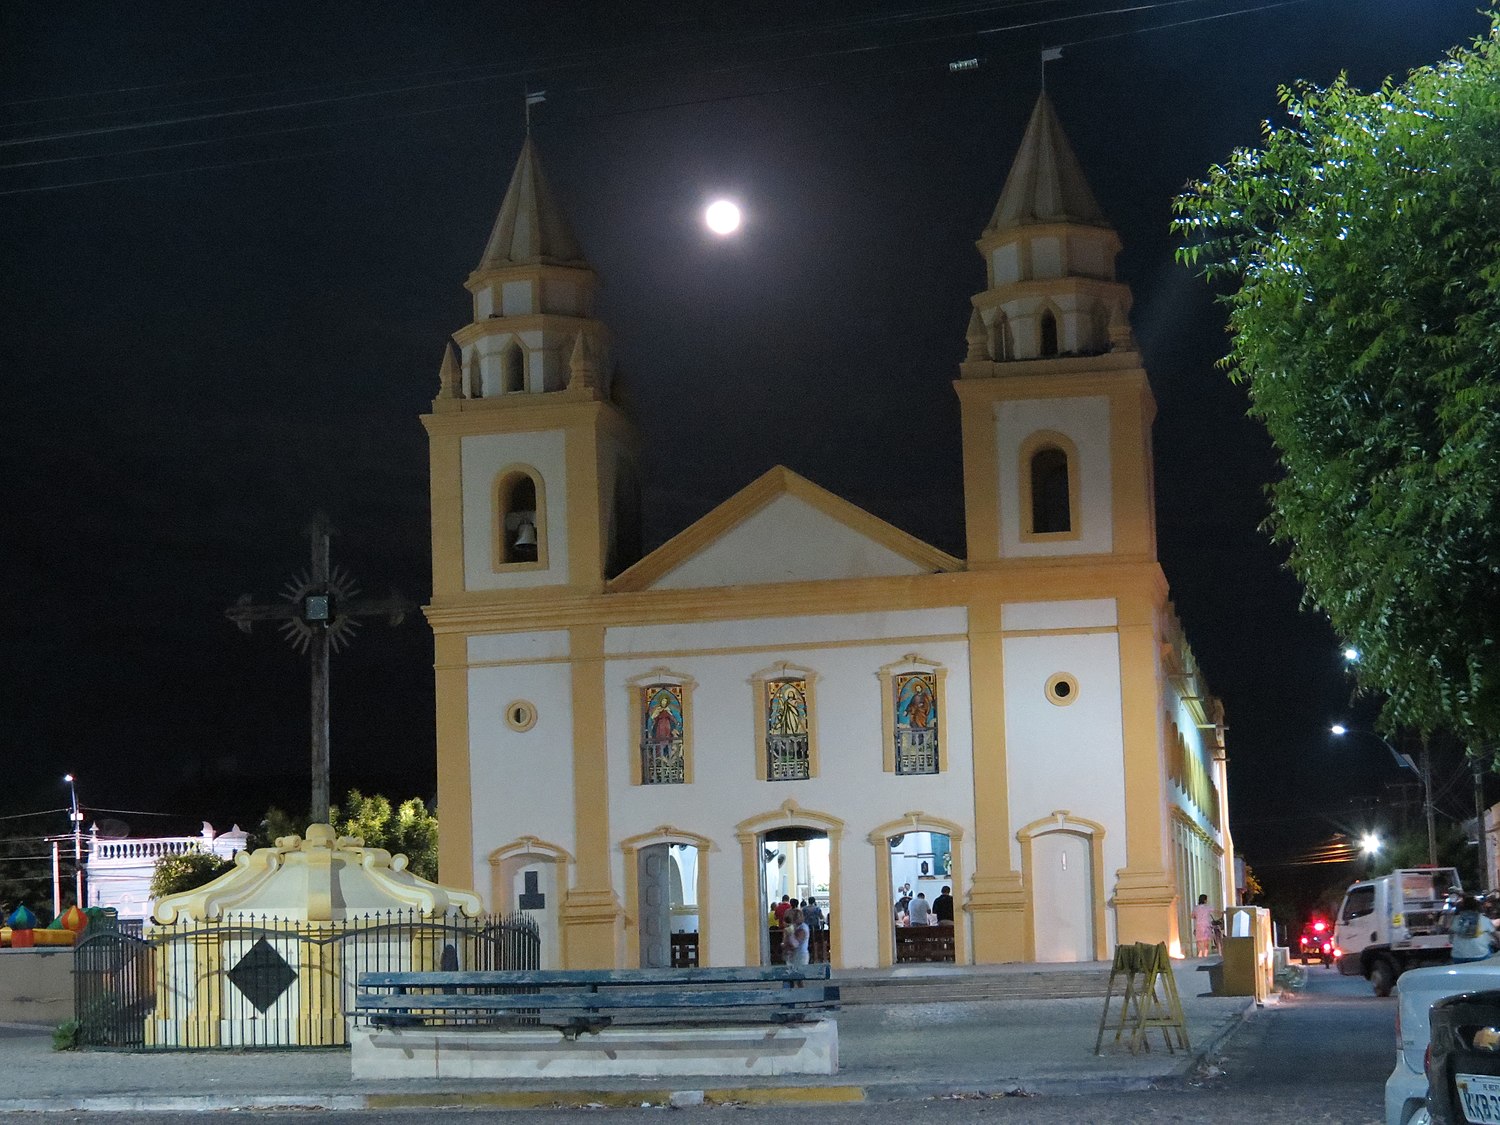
(1150, 998)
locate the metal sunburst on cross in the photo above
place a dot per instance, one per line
(319, 611)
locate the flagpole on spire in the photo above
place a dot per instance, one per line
(536, 97)
(1049, 54)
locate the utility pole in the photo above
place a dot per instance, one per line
(1427, 800)
(1486, 880)
(77, 818)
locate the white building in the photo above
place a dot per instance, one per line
(790, 687)
(119, 872)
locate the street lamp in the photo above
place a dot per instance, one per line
(77, 818)
(1369, 844)
(1351, 655)
(1423, 772)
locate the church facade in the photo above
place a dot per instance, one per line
(648, 752)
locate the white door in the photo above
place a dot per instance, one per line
(1062, 896)
(656, 907)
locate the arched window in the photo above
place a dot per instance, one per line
(475, 380)
(1047, 333)
(520, 522)
(1000, 344)
(512, 369)
(1051, 504)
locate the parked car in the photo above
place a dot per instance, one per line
(1463, 1079)
(1316, 942)
(1416, 992)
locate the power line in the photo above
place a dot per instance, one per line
(535, 70)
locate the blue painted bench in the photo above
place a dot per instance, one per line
(591, 999)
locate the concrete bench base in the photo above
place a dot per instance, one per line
(715, 1050)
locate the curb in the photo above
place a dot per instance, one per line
(517, 1099)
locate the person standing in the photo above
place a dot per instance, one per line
(795, 941)
(1472, 932)
(921, 911)
(1203, 926)
(942, 907)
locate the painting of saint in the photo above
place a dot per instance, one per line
(916, 701)
(662, 712)
(916, 722)
(662, 756)
(788, 707)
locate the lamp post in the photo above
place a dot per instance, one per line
(1424, 774)
(77, 818)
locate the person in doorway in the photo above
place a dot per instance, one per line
(903, 903)
(796, 941)
(1472, 932)
(942, 907)
(1203, 926)
(921, 911)
(813, 913)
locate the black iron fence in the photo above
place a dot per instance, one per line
(262, 981)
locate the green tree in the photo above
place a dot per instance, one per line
(1361, 242)
(187, 872)
(408, 829)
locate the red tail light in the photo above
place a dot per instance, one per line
(1320, 926)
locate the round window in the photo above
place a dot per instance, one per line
(1062, 689)
(520, 715)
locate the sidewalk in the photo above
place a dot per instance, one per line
(887, 1052)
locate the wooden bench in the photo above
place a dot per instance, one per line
(578, 1000)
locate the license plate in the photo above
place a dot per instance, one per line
(1480, 1095)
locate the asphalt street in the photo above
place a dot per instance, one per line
(1320, 1055)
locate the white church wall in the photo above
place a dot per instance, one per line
(814, 546)
(787, 634)
(850, 783)
(1085, 421)
(515, 298)
(1092, 613)
(521, 781)
(482, 459)
(1069, 757)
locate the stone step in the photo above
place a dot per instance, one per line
(950, 987)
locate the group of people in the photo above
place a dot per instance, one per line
(798, 921)
(917, 911)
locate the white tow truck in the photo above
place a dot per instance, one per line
(1393, 923)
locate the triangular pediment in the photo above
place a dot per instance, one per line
(783, 528)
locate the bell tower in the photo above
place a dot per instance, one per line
(1056, 408)
(533, 467)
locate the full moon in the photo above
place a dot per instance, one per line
(722, 217)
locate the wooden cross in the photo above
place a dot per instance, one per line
(318, 613)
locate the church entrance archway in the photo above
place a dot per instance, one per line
(794, 852)
(666, 883)
(1062, 894)
(795, 866)
(919, 854)
(1062, 867)
(531, 876)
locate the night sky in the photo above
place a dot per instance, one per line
(233, 239)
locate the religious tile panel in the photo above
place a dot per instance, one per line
(916, 727)
(663, 758)
(787, 750)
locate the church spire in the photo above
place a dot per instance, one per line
(531, 228)
(1046, 183)
(533, 296)
(1050, 258)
